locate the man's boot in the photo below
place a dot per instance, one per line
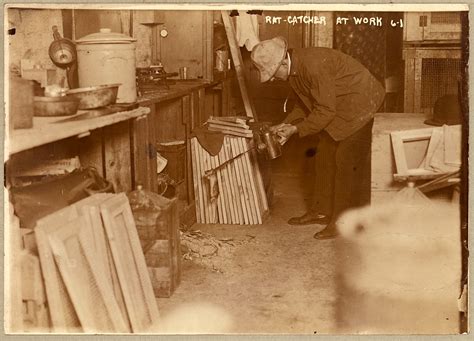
(310, 218)
(329, 232)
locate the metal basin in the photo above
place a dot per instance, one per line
(95, 96)
(94, 113)
(88, 115)
(55, 106)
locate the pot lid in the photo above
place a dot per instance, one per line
(105, 36)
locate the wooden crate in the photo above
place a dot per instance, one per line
(163, 259)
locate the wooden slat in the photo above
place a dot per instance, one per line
(63, 315)
(399, 154)
(229, 130)
(246, 180)
(204, 184)
(232, 177)
(91, 207)
(12, 263)
(222, 189)
(253, 187)
(91, 294)
(196, 181)
(212, 202)
(244, 197)
(217, 121)
(130, 263)
(226, 99)
(260, 185)
(229, 199)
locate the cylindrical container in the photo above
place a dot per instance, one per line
(183, 72)
(272, 144)
(399, 269)
(221, 60)
(106, 58)
(21, 103)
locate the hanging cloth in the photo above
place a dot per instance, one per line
(246, 30)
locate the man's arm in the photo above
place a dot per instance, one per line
(297, 114)
(323, 93)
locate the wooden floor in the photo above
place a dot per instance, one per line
(281, 281)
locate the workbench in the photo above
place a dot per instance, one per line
(122, 146)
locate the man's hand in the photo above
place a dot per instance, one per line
(284, 131)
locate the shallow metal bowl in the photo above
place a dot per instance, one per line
(95, 96)
(55, 106)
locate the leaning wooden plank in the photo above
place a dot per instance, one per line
(225, 125)
(233, 129)
(63, 315)
(230, 132)
(434, 144)
(218, 121)
(13, 304)
(227, 191)
(221, 204)
(236, 180)
(230, 167)
(197, 152)
(250, 171)
(130, 263)
(204, 184)
(212, 200)
(196, 182)
(241, 181)
(91, 207)
(91, 294)
(399, 153)
(238, 63)
(231, 119)
(246, 180)
(223, 189)
(258, 176)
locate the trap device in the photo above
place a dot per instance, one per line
(265, 142)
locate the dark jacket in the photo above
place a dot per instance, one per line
(339, 93)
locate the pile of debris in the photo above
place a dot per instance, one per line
(209, 251)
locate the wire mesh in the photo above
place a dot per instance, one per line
(445, 17)
(439, 77)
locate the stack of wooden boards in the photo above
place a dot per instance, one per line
(228, 187)
(95, 275)
(231, 125)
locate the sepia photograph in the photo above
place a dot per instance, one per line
(227, 169)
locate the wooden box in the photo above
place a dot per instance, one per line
(163, 259)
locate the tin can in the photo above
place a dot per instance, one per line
(183, 72)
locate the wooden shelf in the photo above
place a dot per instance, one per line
(45, 130)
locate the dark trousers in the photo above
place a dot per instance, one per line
(343, 172)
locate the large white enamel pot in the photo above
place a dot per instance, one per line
(108, 57)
